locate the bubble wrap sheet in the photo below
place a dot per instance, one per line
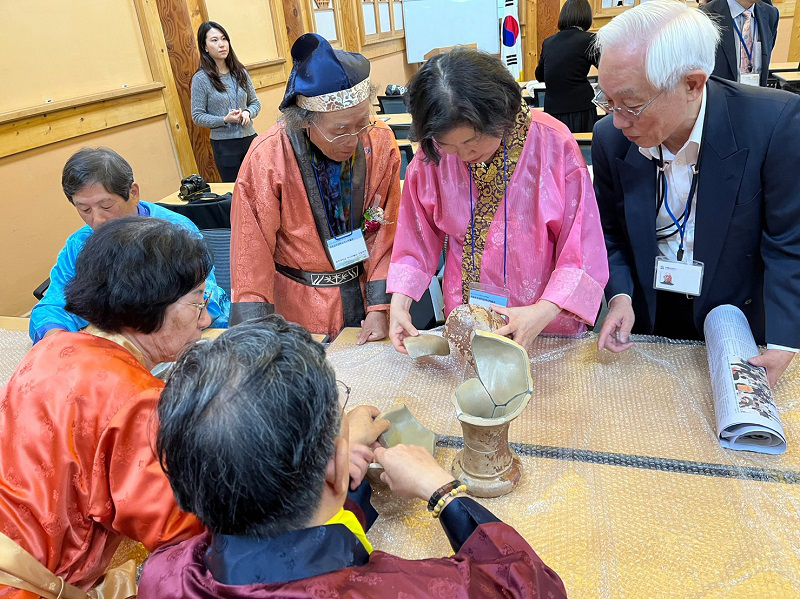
(625, 491)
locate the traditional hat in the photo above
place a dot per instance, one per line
(324, 79)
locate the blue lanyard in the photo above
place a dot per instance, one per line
(748, 51)
(233, 101)
(665, 200)
(505, 214)
(325, 204)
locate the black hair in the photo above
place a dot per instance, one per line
(247, 425)
(575, 13)
(97, 165)
(132, 269)
(461, 87)
(209, 67)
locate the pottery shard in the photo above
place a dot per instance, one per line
(465, 319)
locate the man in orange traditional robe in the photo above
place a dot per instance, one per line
(284, 206)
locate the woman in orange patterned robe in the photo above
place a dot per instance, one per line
(78, 471)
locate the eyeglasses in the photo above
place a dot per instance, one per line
(344, 395)
(203, 306)
(601, 101)
(345, 137)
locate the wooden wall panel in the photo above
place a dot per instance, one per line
(296, 19)
(547, 12)
(181, 38)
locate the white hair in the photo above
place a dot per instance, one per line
(676, 39)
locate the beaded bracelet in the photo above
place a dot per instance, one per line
(441, 492)
(440, 505)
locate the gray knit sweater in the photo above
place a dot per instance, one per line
(209, 106)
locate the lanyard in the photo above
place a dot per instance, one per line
(748, 51)
(505, 215)
(325, 203)
(233, 101)
(662, 197)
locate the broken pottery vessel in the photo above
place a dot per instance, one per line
(463, 321)
(486, 406)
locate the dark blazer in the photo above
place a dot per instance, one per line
(727, 61)
(747, 217)
(563, 67)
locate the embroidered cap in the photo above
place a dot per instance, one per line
(324, 79)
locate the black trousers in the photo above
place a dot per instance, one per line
(229, 155)
(675, 317)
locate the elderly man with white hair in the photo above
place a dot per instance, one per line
(696, 180)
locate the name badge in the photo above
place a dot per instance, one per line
(348, 249)
(486, 295)
(678, 277)
(750, 79)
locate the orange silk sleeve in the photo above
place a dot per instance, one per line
(386, 172)
(255, 220)
(130, 493)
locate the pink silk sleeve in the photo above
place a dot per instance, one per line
(130, 493)
(581, 267)
(418, 242)
(255, 220)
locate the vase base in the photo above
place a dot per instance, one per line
(488, 486)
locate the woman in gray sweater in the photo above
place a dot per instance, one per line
(223, 100)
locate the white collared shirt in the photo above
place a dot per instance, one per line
(737, 13)
(678, 171)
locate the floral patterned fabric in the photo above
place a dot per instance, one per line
(556, 250)
(491, 180)
(495, 562)
(273, 221)
(77, 472)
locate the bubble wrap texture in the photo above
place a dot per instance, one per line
(625, 490)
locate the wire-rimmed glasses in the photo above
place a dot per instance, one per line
(630, 114)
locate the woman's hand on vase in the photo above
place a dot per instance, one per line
(400, 325)
(526, 322)
(374, 327)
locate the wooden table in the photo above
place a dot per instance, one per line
(218, 188)
(625, 490)
(787, 78)
(401, 119)
(783, 66)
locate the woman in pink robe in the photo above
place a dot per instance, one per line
(509, 190)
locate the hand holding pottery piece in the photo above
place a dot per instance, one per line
(426, 345)
(465, 319)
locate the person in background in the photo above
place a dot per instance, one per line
(223, 100)
(77, 470)
(314, 210)
(695, 176)
(749, 29)
(253, 442)
(564, 65)
(100, 184)
(510, 190)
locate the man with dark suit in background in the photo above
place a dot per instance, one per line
(696, 178)
(749, 29)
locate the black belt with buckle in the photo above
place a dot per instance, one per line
(337, 278)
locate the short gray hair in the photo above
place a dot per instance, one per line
(97, 165)
(247, 425)
(677, 39)
(295, 118)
